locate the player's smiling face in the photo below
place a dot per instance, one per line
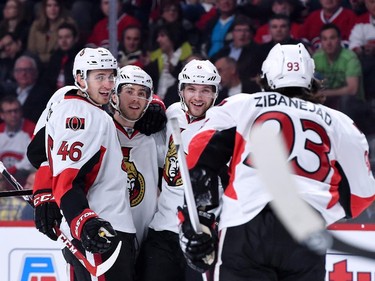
(133, 100)
(100, 85)
(198, 98)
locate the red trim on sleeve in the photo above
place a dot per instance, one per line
(334, 186)
(239, 148)
(196, 147)
(91, 177)
(63, 183)
(359, 204)
(43, 179)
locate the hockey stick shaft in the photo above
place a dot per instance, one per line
(11, 193)
(95, 270)
(189, 195)
(188, 190)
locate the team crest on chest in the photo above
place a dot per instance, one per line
(75, 123)
(136, 181)
(171, 172)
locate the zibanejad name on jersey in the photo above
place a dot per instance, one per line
(274, 100)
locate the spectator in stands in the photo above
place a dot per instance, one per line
(10, 207)
(209, 13)
(341, 72)
(32, 95)
(362, 42)
(169, 12)
(193, 10)
(11, 49)
(331, 12)
(279, 29)
(289, 8)
(15, 136)
(130, 48)
(219, 30)
(42, 39)
(358, 7)
(100, 35)
(59, 70)
(14, 20)
(166, 61)
(244, 51)
(231, 83)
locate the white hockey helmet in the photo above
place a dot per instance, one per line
(92, 59)
(199, 72)
(288, 66)
(132, 74)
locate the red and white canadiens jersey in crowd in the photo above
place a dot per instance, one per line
(328, 153)
(172, 194)
(363, 32)
(13, 145)
(85, 158)
(310, 29)
(142, 156)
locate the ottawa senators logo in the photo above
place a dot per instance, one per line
(136, 181)
(75, 123)
(171, 172)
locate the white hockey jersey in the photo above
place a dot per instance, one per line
(328, 153)
(172, 194)
(142, 156)
(85, 158)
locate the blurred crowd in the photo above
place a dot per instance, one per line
(39, 40)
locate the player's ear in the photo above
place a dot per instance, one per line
(80, 80)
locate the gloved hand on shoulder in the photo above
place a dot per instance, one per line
(154, 119)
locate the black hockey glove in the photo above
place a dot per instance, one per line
(46, 213)
(154, 119)
(199, 249)
(205, 185)
(92, 231)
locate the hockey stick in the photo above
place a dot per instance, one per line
(302, 222)
(95, 270)
(188, 190)
(10, 193)
(189, 196)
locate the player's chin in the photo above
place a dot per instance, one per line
(105, 97)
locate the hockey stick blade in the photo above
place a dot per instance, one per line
(302, 222)
(189, 195)
(11, 193)
(95, 270)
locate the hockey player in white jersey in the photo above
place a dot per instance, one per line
(329, 156)
(84, 154)
(161, 254)
(142, 155)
